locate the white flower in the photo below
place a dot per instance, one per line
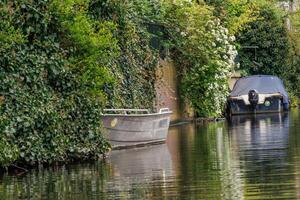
(226, 30)
(232, 38)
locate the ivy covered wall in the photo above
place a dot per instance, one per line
(62, 62)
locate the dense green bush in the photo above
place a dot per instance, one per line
(197, 42)
(134, 69)
(51, 87)
(270, 36)
(235, 14)
(292, 72)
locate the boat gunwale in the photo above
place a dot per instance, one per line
(136, 115)
(277, 94)
(136, 131)
(258, 112)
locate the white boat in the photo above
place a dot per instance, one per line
(136, 125)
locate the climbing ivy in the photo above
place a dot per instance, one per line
(51, 86)
(62, 62)
(134, 69)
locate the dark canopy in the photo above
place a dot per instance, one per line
(263, 84)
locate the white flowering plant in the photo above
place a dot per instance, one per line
(205, 52)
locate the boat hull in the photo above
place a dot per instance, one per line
(237, 107)
(139, 128)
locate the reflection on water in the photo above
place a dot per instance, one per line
(248, 157)
(262, 143)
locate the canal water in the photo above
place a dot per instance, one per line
(248, 157)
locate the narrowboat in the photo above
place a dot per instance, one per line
(257, 94)
(136, 125)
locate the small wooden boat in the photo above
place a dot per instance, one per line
(136, 125)
(257, 94)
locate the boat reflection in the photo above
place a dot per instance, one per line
(277, 118)
(260, 132)
(140, 172)
(151, 161)
(262, 143)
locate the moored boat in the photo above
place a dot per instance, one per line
(136, 125)
(257, 94)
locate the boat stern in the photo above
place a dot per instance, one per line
(263, 104)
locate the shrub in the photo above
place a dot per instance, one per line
(50, 109)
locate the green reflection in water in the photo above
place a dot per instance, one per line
(72, 182)
(208, 164)
(245, 158)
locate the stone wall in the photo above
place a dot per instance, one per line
(166, 87)
(167, 92)
(233, 78)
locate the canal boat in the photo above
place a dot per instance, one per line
(257, 94)
(133, 126)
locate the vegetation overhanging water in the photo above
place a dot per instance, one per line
(62, 62)
(246, 158)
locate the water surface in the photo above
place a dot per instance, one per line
(248, 157)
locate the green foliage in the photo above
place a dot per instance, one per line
(192, 44)
(9, 152)
(294, 99)
(48, 112)
(134, 69)
(204, 52)
(61, 63)
(270, 36)
(92, 42)
(292, 71)
(9, 35)
(277, 50)
(235, 14)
